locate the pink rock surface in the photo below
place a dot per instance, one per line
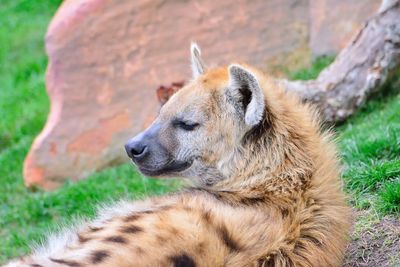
(334, 22)
(107, 58)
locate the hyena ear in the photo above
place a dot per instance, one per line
(246, 91)
(198, 66)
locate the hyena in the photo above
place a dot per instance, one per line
(266, 188)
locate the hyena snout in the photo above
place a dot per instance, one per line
(152, 156)
(142, 145)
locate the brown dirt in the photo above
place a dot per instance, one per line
(375, 242)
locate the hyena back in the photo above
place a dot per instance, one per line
(266, 188)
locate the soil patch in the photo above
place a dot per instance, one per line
(374, 242)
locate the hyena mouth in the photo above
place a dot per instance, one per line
(173, 167)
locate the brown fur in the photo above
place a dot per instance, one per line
(282, 204)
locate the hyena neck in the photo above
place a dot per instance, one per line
(282, 175)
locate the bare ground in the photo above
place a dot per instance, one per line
(374, 241)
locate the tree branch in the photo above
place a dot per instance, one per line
(359, 70)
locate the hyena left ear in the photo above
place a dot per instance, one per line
(198, 66)
(245, 89)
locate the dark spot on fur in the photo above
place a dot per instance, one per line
(174, 231)
(116, 239)
(148, 211)
(311, 202)
(206, 215)
(132, 217)
(217, 195)
(83, 239)
(313, 240)
(299, 246)
(303, 178)
(227, 239)
(287, 178)
(99, 256)
(284, 257)
(36, 265)
(290, 241)
(182, 260)
(196, 190)
(167, 207)
(285, 213)
(139, 250)
(131, 229)
(187, 208)
(252, 200)
(200, 248)
(295, 135)
(267, 262)
(161, 239)
(70, 263)
(95, 229)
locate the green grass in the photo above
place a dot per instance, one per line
(369, 142)
(370, 146)
(317, 65)
(389, 197)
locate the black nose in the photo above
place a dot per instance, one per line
(135, 149)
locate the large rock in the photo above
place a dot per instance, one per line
(333, 23)
(107, 58)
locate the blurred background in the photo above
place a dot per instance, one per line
(105, 61)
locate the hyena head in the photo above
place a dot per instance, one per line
(201, 129)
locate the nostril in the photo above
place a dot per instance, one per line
(137, 151)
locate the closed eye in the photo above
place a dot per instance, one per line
(185, 125)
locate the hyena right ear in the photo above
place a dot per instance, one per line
(198, 66)
(245, 90)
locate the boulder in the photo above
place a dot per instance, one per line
(333, 23)
(107, 58)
